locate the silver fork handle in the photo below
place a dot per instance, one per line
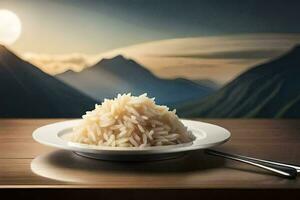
(282, 170)
(297, 168)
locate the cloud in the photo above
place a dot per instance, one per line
(219, 58)
(55, 64)
(242, 54)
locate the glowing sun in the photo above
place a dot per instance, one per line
(10, 27)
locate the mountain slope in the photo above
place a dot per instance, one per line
(268, 90)
(120, 75)
(26, 91)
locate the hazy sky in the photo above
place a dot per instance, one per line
(88, 26)
(219, 36)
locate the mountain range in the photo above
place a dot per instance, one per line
(109, 77)
(27, 92)
(270, 90)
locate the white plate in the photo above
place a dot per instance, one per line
(58, 134)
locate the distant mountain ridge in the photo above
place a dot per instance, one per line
(109, 77)
(269, 90)
(26, 91)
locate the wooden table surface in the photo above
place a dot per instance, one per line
(26, 164)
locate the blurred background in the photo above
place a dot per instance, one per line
(204, 58)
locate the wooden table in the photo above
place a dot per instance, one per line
(31, 169)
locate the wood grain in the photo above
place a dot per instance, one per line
(26, 164)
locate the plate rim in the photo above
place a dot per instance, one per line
(61, 144)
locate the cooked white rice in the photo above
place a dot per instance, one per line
(131, 121)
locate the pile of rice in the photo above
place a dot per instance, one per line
(131, 121)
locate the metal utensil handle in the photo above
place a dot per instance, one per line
(283, 171)
(261, 160)
(297, 168)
